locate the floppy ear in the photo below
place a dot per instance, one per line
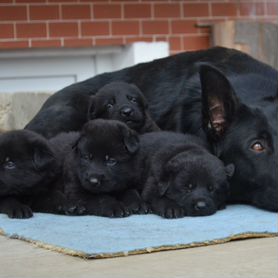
(130, 138)
(162, 187)
(42, 155)
(95, 108)
(230, 170)
(170, 169)
(219, 102)
(143, 99)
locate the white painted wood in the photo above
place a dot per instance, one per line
(50, 70)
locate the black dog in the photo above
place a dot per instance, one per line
(100, 169)
(183, 178)
(28, 170)
(241, 135)
(172, 87)
(123, 102)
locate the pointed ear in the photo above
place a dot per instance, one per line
(230, 170)
(130, 138)
(42, 155)
(219, 102)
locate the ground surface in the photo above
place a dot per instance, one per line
(253, 258)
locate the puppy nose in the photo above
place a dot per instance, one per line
(126, 111)
(94, 181)
(200, 205)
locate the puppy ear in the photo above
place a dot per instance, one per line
(219, 102)
(130, 138)
(230, 170)
(42, 155)
(142, 97)
(96, 108)
(162, 187)
(75, 144)
(91, 115)
(173, 165)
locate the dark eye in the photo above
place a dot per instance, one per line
(9, 165)
(109, 106)
(110, 161)
(87, 156)
(132, 99)
(210, 188)
(189, 187)
(257, 147)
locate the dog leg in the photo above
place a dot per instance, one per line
(14, 209)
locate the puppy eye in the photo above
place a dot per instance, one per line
(257, 147)
(189, 187)
(132, 99)
(109, 106)
(110, 161)
(88, 157)
(210, 188)
(8, 164)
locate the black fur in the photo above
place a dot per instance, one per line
(182, 178)
(123, 102)
(172, 87)
(99, 170)
(28, 170)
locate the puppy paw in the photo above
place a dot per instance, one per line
(74, 209)
(19, 211)
(139, 208)
(173, 212)
(168, 210)
(115, 210)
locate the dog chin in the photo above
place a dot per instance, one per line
(134, 124)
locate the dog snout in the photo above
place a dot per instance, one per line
(95, 180)
(126, 111)
(200, 205)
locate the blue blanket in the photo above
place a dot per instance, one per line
(96, 237)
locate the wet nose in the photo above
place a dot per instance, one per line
(200, 205)
(95, 181)
(126, 111)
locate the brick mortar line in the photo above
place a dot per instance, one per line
(108, 37)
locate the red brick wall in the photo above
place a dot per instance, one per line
(85, 23)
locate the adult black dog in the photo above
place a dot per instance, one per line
(182, 178)
(173, 89)
(100, 169)
(123, 102)
(28, 169)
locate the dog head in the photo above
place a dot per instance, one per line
(104, 155)
(243, 135)
(26, 162)
(119, 101)
(194, 179)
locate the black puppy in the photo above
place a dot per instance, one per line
(123, 102)
(100, 169)
(243, 88)
(183, 179)
(28, 169)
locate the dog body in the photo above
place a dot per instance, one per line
(181, 177)
(99, 170)
(123, 102)
(173, 88)
(28, 173)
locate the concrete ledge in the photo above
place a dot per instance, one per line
(17, 109)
